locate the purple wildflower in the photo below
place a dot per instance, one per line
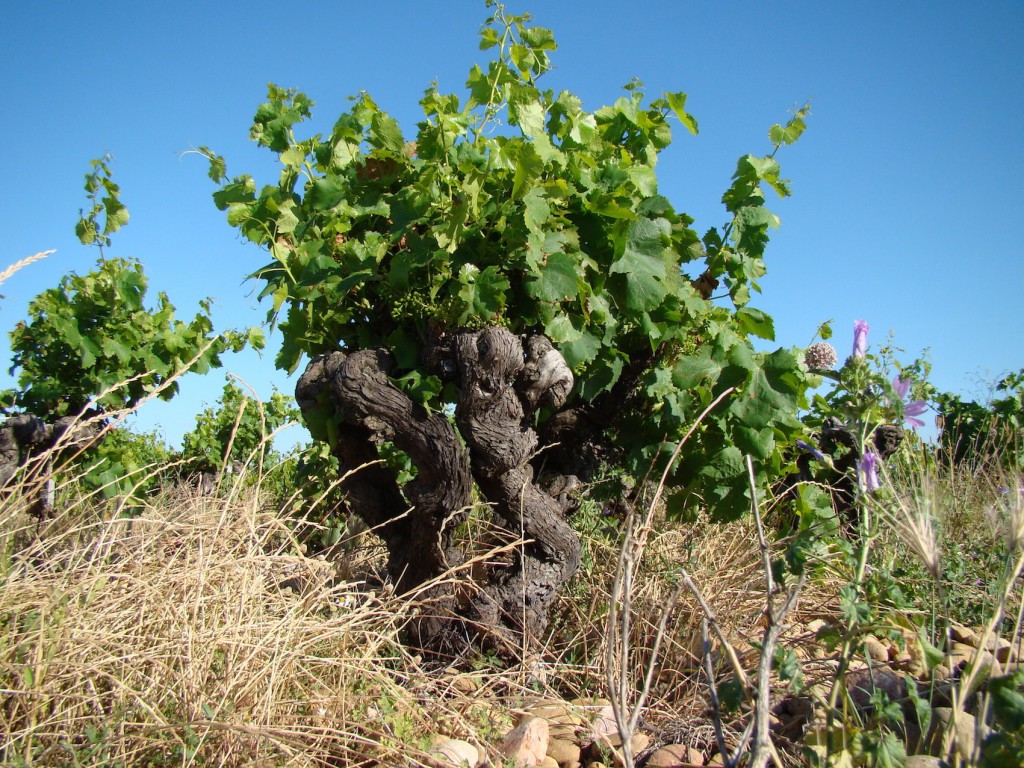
(914, 408)
(808, 448)
(867, 470)
(860, 338)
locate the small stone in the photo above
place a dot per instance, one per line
(640, 742)
(863, 684)
(597, 751)
(961, 651)
(603, 727)
(816, 625)
(876, 649)
(669, 756)
(903, 660)
(961, 634)
(563, 719)
(964, 654)
(674, 756)
(453, 753)
(999, 647)
(549, 762)
(563, 750)
(922, 761)
(527, 743)
(965, 727)
(942, 672)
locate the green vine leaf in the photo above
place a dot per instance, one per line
(513, 204)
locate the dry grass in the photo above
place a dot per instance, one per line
(199, 634)
(192, 633)
(725, 561)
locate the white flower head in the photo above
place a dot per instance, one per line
(820, 356)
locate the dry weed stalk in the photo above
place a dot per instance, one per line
(617, 661)
(18, 265)
(754, 740)
(756, 733)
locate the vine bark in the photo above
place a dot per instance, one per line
(500, 386)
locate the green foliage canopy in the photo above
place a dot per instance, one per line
(513, 205)
(92, 341)
(237, 428)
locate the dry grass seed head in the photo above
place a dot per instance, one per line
(912, 514)
(19, 265)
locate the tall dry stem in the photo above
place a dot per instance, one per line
(18, 265)
(618, 669)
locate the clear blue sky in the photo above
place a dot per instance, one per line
(906, 208)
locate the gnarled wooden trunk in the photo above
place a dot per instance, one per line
(25, 436)
(500, 385)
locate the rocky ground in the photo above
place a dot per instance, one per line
(582, 732)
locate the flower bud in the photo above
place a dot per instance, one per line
(820, 357)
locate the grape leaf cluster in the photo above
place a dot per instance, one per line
(91, 342)
(514, 205)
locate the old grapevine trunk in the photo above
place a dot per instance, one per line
(500, 386)
(25, 438)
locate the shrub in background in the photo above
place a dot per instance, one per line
(992, 431)
(235, 432)
(92, 348)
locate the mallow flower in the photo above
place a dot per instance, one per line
(867, 472)
(914, 408)
(808, 448)
(860, 338)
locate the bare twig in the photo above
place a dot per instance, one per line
(709, 614)
(709, 673)
(762, 749)
(619, 622)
